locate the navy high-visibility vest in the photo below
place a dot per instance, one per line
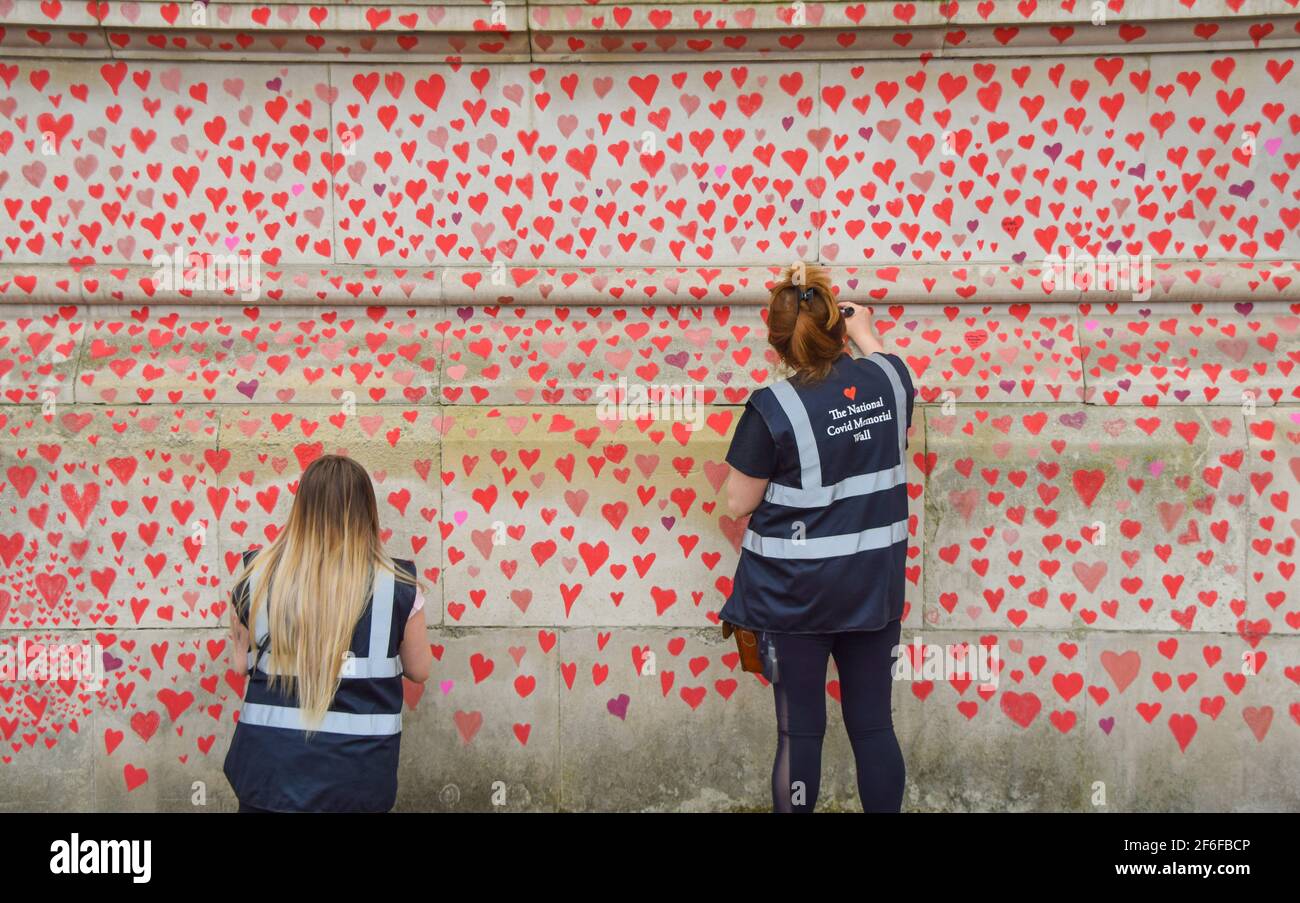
(826, 549)
(349, 762)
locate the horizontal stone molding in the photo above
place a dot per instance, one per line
(403, 357)
(1171, 282)
(515, 30)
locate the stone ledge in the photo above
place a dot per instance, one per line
(519, 31)
(1174, 282)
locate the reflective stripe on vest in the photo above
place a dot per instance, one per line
(377, 660)
(821, 496)
(377, 663)
(813, 494)
(333, 722)
(900, 401)
(810, 461)
(826, 546)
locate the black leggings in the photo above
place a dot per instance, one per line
(865, 661)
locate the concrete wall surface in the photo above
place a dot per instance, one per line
(464, 225)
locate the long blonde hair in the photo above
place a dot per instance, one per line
(315, 580)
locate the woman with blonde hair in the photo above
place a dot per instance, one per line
(337, 625)
(819, 464)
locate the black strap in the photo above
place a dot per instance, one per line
(248, 615)
(261, 650)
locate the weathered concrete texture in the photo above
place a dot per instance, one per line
(162, 734)
(149, 734)
(559, 517)
(1196, 500)
(918, 458)
(110, 509)
(484, 733)
(544, 355)
(1273, 468)
(1192, 723)
(1181, 498)
(915, 191)
(276, 356)
(1223, 196)
(38, 353)
(339, 285)
(704, 165)
(273, 355)
(667, 721)
(220, 191)
(662, 719)
(648, 708)
(969, 353)
(1216, 353)
(263, 452)
(1126, 354)
(47, 755)
(1064, 29)
(1098, 518)
(246, 30)
(536, 30)
(455, 261)
(593, 208)
(1010, 746)
(1105, 722)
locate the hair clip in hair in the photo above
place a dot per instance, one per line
(805, 295)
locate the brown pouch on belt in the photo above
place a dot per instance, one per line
(747, 644)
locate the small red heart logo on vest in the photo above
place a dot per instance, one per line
(851, 392)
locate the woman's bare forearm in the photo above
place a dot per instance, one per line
(860, 331)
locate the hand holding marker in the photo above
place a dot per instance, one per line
(859, 328)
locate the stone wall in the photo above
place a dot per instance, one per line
(468, 222)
